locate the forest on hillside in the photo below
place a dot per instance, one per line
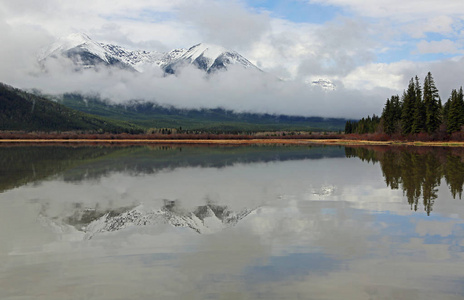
(418, 113)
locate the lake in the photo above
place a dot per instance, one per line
(254, 222)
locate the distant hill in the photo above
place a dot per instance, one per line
(152, 115)
(24, 111)
(20, 110)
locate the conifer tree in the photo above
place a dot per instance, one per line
(418, 115)
(407, 111)
(454, 110)
(348, 127)
(391, 115)
(431, 105)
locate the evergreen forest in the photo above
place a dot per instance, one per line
(419, 110)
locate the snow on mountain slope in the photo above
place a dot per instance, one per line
(325, 84)
(83, 52)
(86, 53)
(75, 40)
(169, 57)
(209, 58)
(204, 219)
(138, 59)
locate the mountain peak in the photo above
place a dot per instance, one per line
(73, 43)
(79, 37)
(86, 53)
(207, 50)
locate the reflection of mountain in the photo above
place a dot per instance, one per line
(22, 165)
(324, 191)
(208, 218)
(417, 171)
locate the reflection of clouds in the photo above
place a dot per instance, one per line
(441, 228)
(372, 279)
(313, 227)
(360, 242)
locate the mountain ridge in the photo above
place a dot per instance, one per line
(91, 222)
(152, 115)
(86, 53)
(20, 110)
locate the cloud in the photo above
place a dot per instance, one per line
(342, 46)
(226, 23)
(415, 18)
(140, 22)
(237, 89)
(443, 46)
(398, 8)
(343, 50)
(395, 76)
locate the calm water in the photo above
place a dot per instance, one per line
(231, 223)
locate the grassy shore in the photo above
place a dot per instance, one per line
(293, 141)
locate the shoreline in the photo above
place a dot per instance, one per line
(335, 142)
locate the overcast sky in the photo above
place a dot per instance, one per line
(369, 49)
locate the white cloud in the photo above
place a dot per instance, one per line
(392, 76)
(399, 9)
(443, 46)
(395, 76)
(343, 50)
(414, 18)
(227, 23)
(435, 24)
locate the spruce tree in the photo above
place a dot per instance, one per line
(454, 110)
(348, 127)
(418, 111)
(391, 115)
(387, 119)
(407, 111)
(431, 105)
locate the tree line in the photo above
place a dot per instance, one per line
(418, 110)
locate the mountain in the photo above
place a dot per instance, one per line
(87, 54)
(325, 84)
(208, 58)
(203, 219)
(83, 52)
(151, 115)
(25, 111)
(20, 110)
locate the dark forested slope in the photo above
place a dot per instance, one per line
(20, 110)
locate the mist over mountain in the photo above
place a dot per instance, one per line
(203, 76)
(20, 110)
(86, 53)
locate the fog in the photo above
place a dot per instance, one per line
(237, 88)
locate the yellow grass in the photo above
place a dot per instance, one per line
(232, 142)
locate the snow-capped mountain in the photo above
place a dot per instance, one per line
(204, 219)
(83, 52)
(325, 84)
(86, 53)
(209, 58)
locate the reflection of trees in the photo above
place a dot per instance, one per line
(455, 174)
(417, 171)
(21, 165)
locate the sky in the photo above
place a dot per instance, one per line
(369, 49)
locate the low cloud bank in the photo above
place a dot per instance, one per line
(238, 89)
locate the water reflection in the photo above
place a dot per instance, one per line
(417, 171)
(22, 165)
(275, 223)
(203, 219)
